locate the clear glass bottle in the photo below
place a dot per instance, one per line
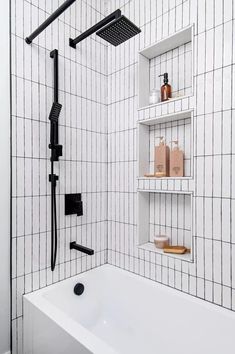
(154, 96)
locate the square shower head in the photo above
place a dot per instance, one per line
(118, 31)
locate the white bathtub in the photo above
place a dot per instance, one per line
(123, 313)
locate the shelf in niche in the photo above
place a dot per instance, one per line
(165, 212)
(159, 58)
(171, 185)
(149, 246)
(171, 117)
(165, 191)
(175, 126)
(177, 106)
(175, 99)
(164, 178)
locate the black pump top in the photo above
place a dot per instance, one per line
(165, 78)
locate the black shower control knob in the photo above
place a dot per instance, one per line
(73, 204)
(78, 289)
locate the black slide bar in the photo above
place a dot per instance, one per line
(49, 20)
(56, 152)
(113, 16)
(54, 55)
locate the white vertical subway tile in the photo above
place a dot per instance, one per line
(208, 291)
(228, 10)
(227, 92)
(226, 267)
(218, 90)
(217, 261)
(218, 56)
(226, 297)
(226, 220)
(217, 219)
(217, 294)
(209, 92)
(228, 43)
(218, 12)
(209, 50)
(200, 94)
(201, 15)
(208, 260)
(209, 14)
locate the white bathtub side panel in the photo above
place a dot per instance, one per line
(134, 316)
(44, 336)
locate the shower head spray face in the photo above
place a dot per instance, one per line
(118, 31)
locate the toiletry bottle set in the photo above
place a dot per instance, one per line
(164, 94)
(168, 163)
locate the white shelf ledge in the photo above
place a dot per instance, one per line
(164, 178)
(175, 99)
(149, 246)
(175, 185)
(166, 191)
(167, 118)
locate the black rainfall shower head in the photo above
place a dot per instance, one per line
(118, 31)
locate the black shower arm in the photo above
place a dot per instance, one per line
(49, 20)
(113, 16)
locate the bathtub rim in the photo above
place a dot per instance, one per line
(174, 291)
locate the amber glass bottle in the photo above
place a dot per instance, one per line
(165, 88)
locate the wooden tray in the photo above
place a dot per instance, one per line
(175, 249)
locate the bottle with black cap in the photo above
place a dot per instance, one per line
(165, 88)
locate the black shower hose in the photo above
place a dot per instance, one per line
(53, 219)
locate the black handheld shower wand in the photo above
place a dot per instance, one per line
(56, 152)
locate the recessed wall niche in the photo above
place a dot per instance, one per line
(165, 213)
(178, 64)
(176, 126)
(174, 55)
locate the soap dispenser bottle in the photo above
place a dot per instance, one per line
(176, 161)
(165, 88)
(161, 159)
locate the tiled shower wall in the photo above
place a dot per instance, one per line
(100, 145)
(212, 274)
(83, 134)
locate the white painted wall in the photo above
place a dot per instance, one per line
(4, 180)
